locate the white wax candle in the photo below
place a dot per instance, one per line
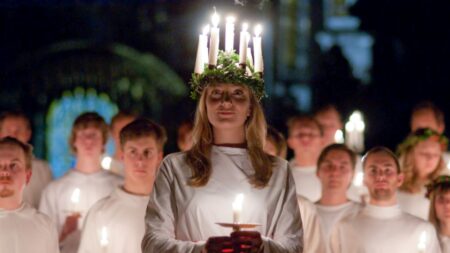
(259, 66)
(243, 44)
(229, 34)
(237, 208)
(249, 56)
(202, 46)
(214, 40)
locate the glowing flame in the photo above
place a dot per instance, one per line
(75, 198)
(258, 30)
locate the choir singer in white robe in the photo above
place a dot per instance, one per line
(381, 226)
(116, 223)
(195, 189)
(22, 227)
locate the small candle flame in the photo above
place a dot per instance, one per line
(75, 198)
(215, 18)
(359, 178)
(104, 237)
(339, 136)
(237, 204)
(230, 19)
(106, 162)
(258, 30)
(422, 241)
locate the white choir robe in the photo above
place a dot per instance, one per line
(56, 199)
(181, 218)
(414, 203)
(26, 230)
(307, 184)
(445, 243)
(312, 235)
(379, 229)
(40, 178)
(122, 214)
(329, 216)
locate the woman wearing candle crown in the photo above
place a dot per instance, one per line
(195, 189)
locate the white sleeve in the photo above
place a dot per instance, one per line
(89, 242)
(288, 236)
(313, 236)
(433, 246)
(48, 205)
(160, 217)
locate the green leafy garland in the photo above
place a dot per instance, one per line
(227, 71)
(422, 135)
(439, 182)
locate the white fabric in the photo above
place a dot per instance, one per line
(312, 236)
(307, 184)
(180, 218)
(117, 167)
(415, 204)
(40, 178)
(26, 230)
(56, 199)
(329, 216)
(383, 230)
(122, 214)
(445, 243)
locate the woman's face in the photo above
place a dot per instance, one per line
(442, 206)
(227, 106)
(427, 155)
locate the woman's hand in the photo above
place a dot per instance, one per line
(219, 244)
(246, 241)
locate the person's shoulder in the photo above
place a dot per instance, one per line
(280, 163)
(103, 204)
(414, 219)
(175, 157)
(38, 217)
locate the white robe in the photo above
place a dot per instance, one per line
(415, 204)
(56, 199)
(122, 214)
(445, 243)
(313, 235)
(180, 218)
(307, 184)
(379, 229)
(40, 178)
(329, 216)
(26, 230)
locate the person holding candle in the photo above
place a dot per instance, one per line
(16, 124)
(438, 192)
(421, 162)
(22, 227)
(121, 213)
(381, 226)
(195, 189)
(312, 235)
(335, 169)
(87, 140)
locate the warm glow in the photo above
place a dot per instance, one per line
(422, 245)
(75, 198)
(230, 19)
(205, 30)
(258, 30)
(106, 162)
(104, 237)
(339, 136)
(237, 204)
(358, 180)
(215, 18)
(244, 27)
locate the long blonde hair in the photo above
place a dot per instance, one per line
(198, 157)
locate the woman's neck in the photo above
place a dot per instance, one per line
(88, 165)
(332, 198)
(444, 228)
(229, 137)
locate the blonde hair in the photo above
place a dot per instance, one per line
(198, 157)
(411, 182)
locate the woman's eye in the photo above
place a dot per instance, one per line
(238, 92)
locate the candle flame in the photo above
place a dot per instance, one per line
(104, 237)
(215, 18)
(230, 19)
(258, 30)
(106, 162)
(339, 136)
(205, 30)
(422, 241)
(75, 198)
(359, 178)
(244, 27)
(237, 204)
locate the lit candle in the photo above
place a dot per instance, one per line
(243, 44)
(106, 163)
(354, 130)
(75, 199)
(339, 136)
(104, 239)
(229, 34)
(422, 245)
(259, 65)
(202, 46)
(237, 208)
(214, 40)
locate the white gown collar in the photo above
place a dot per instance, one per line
(382, 212)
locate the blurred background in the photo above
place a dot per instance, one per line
(60, 58)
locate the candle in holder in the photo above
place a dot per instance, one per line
(422, 245)
(259, 66)
(229, 34)
(243, 44)
(75, 199)
(214, 40)
(104, 239)
(237, 208)
(202, 46)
